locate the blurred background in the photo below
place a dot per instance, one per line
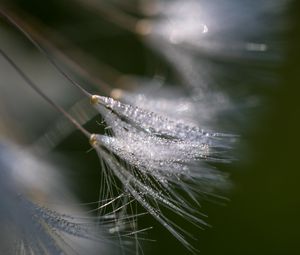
(237, 61)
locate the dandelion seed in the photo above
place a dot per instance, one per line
(156, 124)
(173, 103)
(158, 156)
(166, 101)
(28, 227)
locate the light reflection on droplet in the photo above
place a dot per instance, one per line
(205, 29)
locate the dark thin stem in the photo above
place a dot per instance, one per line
(40, 37)
(43, 51)
(37, 90)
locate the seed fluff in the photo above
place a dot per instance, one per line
(156, 158)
